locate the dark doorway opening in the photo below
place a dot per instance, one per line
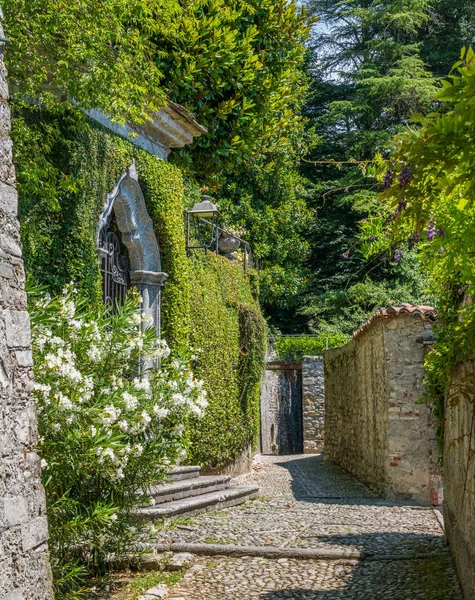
(281, 409)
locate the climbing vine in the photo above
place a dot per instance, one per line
(429, 204)
(66, 165)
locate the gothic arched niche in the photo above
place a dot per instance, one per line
(128, 247)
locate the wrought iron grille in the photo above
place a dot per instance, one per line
(114, 264)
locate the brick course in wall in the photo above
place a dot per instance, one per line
(24, 567)
(375, 428)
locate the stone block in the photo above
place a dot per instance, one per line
(8, 199)
(180, 560)
(24, 358)
(159, 591)
(14, 595)
(16, 510)
(17, 326)
(10, 245)
(34, 533)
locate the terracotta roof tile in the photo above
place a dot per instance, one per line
(426, 313)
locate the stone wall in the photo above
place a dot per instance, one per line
(374, 428)
(313, 404)
(24, 567)
(356, 416)
(459, 470)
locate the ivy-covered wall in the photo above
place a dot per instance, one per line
(66, 165)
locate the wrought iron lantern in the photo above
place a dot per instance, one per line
(202, 229)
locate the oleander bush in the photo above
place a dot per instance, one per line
(112, 410)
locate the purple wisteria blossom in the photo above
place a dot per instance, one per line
(404, 176)
(345, 255)
(388, 179)
(397, 256)
(415, 237)
(372, 238)
(431, 230)
(440, 232)
(441, 250)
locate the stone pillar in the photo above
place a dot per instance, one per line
(149, 285)
(313, 404)
(24, 564)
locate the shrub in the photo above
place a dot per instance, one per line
(295, 347)
(110, 426)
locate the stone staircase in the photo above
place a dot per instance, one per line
(187, 493)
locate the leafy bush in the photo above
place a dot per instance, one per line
(110, 425)
(295, 347)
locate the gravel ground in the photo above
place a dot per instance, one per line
(306, 503)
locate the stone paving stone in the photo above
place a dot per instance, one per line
(267, 579)
(306, 503)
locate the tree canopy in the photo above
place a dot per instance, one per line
(371, 66)
(234, 64)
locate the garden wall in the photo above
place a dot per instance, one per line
(459, 471)
(24, 567)
(374, 426)
(208, 303)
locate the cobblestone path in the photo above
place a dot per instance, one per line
(306, 503)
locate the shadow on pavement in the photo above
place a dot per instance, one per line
(316, 481)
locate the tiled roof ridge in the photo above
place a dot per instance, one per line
(426, 313)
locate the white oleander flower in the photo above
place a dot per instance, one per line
(110, 415)
(160, 411)
(145, 417)
(131, 402)
(63, 401)
(138, 449)
(137, 319)
(142, 384)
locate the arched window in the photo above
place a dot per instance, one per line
(128, 248)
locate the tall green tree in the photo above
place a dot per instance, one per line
(368, 77)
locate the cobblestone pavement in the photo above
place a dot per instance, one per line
(266, 579)
(306, 503)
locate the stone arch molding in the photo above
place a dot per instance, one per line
(138, 235)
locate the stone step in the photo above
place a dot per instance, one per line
(199, 504)
(187, 488)
(180, 473)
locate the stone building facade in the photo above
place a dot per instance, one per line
(24, 566)
(459, 474)
(375, 428)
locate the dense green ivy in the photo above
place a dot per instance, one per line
(228, 339)
(66, 165)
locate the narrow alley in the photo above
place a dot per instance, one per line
(364, 548)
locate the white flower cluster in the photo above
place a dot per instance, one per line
(88, 398)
